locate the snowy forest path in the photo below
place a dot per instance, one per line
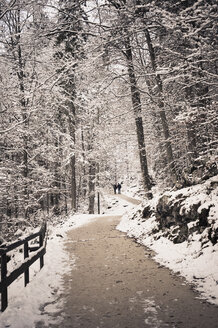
(129, 199)
(114, 283)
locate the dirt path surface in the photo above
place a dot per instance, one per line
(129, 199)
(115, 284)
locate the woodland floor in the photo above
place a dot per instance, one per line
(115, 283)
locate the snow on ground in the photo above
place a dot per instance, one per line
(113, 205)
(199, 266)
(27, 304)
(133, 190)
(40, 297)
(196, 262)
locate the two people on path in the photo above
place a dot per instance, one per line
(117, 187)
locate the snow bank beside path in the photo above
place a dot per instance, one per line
(196, 258)
(40, 298)
(26, 305)
(199, 266)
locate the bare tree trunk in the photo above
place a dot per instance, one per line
(57, 180)
(92, 173)
(65, 195)
(47, 202)
(73, 182)
(23, 103)
(16, 204)
(136, 102)
(192, 153)
(163, 118)
(84, 179)
(73, 158)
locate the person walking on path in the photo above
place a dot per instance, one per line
(115, 188)
(119, 188)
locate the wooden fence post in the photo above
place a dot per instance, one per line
(7, 280)
(40, 245)
(99, 211)
(4, 283)
(26, 273)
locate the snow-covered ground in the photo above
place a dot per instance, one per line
(26, 305)
(199, 266)
(195, 259)
(41, 296)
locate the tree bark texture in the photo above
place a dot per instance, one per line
(73, 182)
(92, 173)
(192, 153)
(73, 157)
(136, 102)
(163, 118)
(20, 74)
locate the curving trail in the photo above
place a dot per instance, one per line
(116, 284)
(129, 199)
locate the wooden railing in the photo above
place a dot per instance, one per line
(39, 252)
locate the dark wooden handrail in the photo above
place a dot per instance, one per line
(7, 248)
(39, 252)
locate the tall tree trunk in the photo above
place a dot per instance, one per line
(191, 135)
(65, 194)
(20, 74)
(47, 202)
(92, 173)
(57, 178)
(136, 102)
(73, 182)
(73, 158)
(84, 179)
(16, 204)
(168, 146)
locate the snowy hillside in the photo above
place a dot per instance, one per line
(181, 227)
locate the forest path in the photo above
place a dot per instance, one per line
(114, 283)
(129, 199)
